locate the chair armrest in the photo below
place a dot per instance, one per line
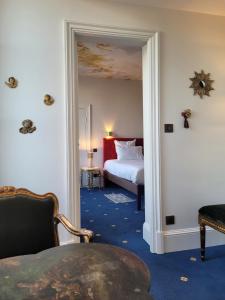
(86, 234)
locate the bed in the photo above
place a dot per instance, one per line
(128, 175)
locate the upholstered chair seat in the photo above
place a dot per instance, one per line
(28, 222)
(214, 212)
(213, 216)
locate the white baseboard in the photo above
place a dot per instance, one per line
(189, 238)
(176, 240)
(159, 242)
(147, 233)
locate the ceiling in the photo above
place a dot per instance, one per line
(214, 7)
(109, 58)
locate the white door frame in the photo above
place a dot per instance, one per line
(152, 229)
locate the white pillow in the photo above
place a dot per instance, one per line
(129, 153)
(125, 143)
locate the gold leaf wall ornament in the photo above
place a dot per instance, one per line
(27, 127)
(48, 100)
(186, 114)
(201, 84)
(12, 82)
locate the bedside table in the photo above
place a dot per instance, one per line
(92, 173)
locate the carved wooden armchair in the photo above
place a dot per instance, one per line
(28, 222)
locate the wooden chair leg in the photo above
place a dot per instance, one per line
(202, 239)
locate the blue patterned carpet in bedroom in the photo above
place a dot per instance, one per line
(121, 225)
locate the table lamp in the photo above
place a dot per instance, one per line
(90, 155)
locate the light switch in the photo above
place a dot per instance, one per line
(168, 128)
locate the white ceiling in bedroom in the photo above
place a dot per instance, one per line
(109, 58)
(214, 7)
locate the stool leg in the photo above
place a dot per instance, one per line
(202, 238)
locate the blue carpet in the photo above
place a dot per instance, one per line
(121, 225)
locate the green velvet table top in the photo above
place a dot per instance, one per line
(76, 271)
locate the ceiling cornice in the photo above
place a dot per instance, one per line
(215, 7)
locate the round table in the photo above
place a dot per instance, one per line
(75, 271)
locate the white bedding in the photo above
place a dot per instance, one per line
(132, 170)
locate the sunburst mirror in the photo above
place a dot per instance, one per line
(201, 84)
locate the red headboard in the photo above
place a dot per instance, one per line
(109, 151)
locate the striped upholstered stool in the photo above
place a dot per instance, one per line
(213, 216)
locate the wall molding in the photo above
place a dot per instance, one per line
(152, 230)
(151, 100)
(189, 238)
(72, 123)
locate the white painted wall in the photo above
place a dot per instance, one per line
(31, 48)
(116, 105)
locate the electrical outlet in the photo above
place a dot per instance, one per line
(170, 220)
(168, 128)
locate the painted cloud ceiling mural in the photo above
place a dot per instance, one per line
(105, 59)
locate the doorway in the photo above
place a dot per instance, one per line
(152, 228)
